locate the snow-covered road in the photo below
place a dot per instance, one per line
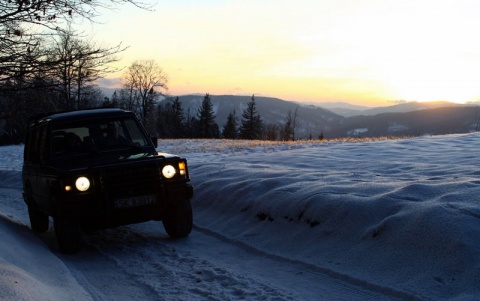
(384, 220)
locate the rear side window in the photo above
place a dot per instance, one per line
(67, 141)
(42, 143)
(36, 149)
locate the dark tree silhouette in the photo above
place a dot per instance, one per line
(170, 119)
(145, 82)
(230, 130)
(24, 24)
(252, 124)
(207, 127)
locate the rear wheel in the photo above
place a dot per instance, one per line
(178, 220)
(67, 231)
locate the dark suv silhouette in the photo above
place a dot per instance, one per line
(96, 169)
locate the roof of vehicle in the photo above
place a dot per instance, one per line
(77, 115)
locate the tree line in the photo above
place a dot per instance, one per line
(173, 122)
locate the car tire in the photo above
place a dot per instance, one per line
(67, 231)
(38, 219)
(178, 219)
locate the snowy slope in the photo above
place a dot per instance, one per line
(393, 219)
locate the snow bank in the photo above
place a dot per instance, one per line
(401, 214)
(29, 270)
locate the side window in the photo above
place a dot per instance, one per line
(42, 144)
(67, 141)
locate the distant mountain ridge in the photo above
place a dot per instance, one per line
(410, 107)
(311, 120)
(437, 121)
(413, 118)
(348, 110)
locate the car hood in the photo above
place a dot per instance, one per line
(99, 159)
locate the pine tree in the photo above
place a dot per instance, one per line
(207, 127)
(163, 120)
(230, 128)
(177, 122)
(170, 119)
(252, 124)
(189, 125)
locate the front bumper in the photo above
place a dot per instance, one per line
(99, 210)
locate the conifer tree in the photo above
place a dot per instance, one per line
(230, 128)
(170, 119)
(207, 127)
(190, 122)
(252, 124)
(177, 122)
(163, 118)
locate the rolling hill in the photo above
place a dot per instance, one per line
(408, 119)
(311, 120)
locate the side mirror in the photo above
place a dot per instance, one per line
(154, 141)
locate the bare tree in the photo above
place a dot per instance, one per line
(76, 64)
(294, 123)
(24, 24)
(288, 130)
(271, 131)
(145, 81)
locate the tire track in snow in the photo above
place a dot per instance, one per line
(364, 290)
(175, 271)
(103, 279)
(209, 266)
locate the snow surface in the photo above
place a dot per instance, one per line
(390, 219)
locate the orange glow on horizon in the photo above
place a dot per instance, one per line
(368, 53)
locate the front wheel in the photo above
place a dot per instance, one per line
(38, 219)
(178, 219)
(67, 231)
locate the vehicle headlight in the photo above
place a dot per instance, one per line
(82, 184)
(168, 171)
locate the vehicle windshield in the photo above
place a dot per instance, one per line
(96, 135)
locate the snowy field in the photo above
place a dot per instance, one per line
(387, 219)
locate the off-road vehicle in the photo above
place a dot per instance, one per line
(96, 169)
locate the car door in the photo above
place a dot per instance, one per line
(39, 169)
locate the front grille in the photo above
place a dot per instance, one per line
(129, 181)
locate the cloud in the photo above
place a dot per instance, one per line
(398, 101)
(111, 83)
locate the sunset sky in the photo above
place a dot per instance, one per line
(368, 52)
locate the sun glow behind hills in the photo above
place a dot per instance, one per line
(364, 52)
